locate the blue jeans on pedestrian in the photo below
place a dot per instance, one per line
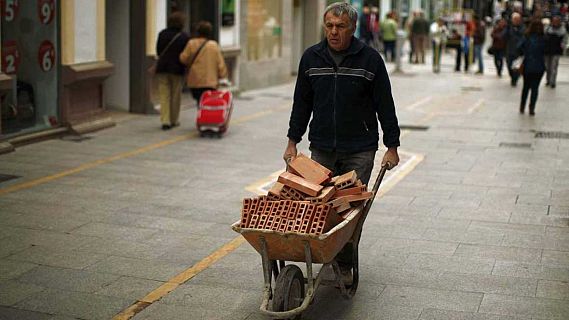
(478, 56)
(389, 47)
(340, 163)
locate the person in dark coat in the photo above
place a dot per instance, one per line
(554, 42)
(499, 44)
(514, 35)
(169, 70)
(532, 47)
(479, 37)
(342, 90)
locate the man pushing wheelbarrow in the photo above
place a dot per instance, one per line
(310, 216)
(344, 85)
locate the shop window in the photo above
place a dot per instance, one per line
(264, 29)
(29, 51)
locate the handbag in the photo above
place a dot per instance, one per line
(518, 65)
(152, 68)
(491, 50)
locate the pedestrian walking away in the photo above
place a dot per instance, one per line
(205, 62)
(420, 29)
(389, 32)
(514, 36)
(343, 84)
(439, 36)
(532, 47)
(169, 70)
(479, 37)
(555, 41)
(499, 44)
(454, 41)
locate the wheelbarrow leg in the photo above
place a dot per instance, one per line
(267, 266)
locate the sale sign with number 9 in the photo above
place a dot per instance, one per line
(46, 55)
(46, 11)
(9, 9)
(10, 57)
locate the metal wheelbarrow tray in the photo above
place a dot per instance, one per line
(292, 292)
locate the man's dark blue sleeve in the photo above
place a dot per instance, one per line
(302, 105)
(385, 107)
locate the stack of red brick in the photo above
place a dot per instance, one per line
(305, 199)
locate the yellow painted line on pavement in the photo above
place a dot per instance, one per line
(180, 279)
(128, 154)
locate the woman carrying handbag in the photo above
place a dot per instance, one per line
(533, 65)
(169, 70)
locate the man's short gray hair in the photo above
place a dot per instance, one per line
(340, 8)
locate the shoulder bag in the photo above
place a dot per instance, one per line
(152, 69)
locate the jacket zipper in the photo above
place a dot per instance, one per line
(365, 126)
(334, 105)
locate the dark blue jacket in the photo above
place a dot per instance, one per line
(169, 60)
(532, 48)
(345, 101)
(514, 36)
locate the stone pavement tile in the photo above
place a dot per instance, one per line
(67, 279)
(471, 237)
(76, 304)
(538, 308)
(463, 265)
(443, 280)
(559, 211)
(35, 221)
(194, 295)
(434, 201)
(540, 220)
(559, 243)
(106, 231)
(52, 240)
(72, 259)
(13, 269)
(429, 298)
(555, 258)
(129, 288)
(492, 182)
(415, 246)
(433, 222)
(125, 248)
(17, 314)
(475, 214)
(12, 292)
(381, 259)
(391, 231)
(553, 289)
(161, 311)
(499, 253)
(226, 276)
(437, 314)
(534, 199)
(146, 269)
(534, 271)
(385, 209)
(396, 200)
(483, 226)
(10, 245)
(556, 231)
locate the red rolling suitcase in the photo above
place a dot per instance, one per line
(214, 112)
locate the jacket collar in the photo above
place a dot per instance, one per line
(355, 46)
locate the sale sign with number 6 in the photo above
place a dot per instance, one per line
(46, 55)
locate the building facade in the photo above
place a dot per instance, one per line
(65, 62)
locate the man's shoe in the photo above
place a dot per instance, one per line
(166, 127)
(552, 86)
(177, 124)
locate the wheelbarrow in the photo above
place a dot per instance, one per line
(293, 293)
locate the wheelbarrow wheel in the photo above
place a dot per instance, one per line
(289, 289)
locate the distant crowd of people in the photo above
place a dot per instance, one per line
(530, 42)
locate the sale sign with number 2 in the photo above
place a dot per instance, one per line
(10, 57)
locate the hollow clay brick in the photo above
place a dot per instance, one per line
(321, 167)
(344, 207)
(245, 216)
(324, 196)
(292, 194)
(349, 191)
(300, 184)
(307, 221)
(276, 189)
(346, 180)
(309, 169)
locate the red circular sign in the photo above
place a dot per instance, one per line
(46, 55)
(9, 9)
(10, 57)
(46, 11)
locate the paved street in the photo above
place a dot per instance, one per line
(473, 225)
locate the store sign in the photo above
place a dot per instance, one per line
(9, 9)
(10, 57)
(46, 11)
(46, 55)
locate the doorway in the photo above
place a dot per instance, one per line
(117, 29)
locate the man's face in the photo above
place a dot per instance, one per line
(556, 22)
(516, 20)
(339, 31)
